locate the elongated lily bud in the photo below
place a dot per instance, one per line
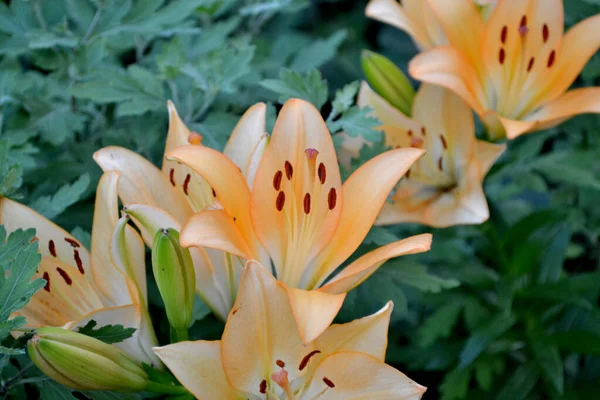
(85, 363)
(388, 81)
(174, 273)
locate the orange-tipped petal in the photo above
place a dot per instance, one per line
(447, 67)
(248, 141)
(356, 376)
(141, 182)
(54, 242)
(486, 154)
(296, 198)
(198, 366)
(215, 229)
(365, 335)
(260, 330)
(365, 193)
(313, 310)
(230, 187)
(355, 273)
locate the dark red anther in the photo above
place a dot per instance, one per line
(263, 386)
(186, 183)
(277, 180)
(65, 276)
(328, 382)
(172, 176)
(551, 58)
(440, 164)
(531, 63)
(307, 358)
(72, 242)
(504, 34)
(501, 56)
(545, 33)
(280, 363)
(280, 201)
(444, 143)
(307, 203)
(78, 262)
(289, 170)
(332, 198)
(47, 279)
(52, 248)
(322, 173)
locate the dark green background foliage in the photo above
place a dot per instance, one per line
(505, 310)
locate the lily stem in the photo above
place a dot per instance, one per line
(163, 388)
(179, 335)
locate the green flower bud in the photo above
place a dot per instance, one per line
(388, 81)
(85, 363)
(174, 273)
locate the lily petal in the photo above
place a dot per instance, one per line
(365, 266)
(54, 242)
(150, 219)
(141, 182)
(197, 365)
(127, 252)
(215, 229)
(365, 335)
(260, 330)
(446, 66)
(357, 376)
(248, 141)
(365, 192)
(486, 154)
(229, 186)
(313, 310)
(111, 282)
(296, 198)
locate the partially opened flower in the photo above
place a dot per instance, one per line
(107, 286)
(418, 19)
(262, 356)
(515, 69)
(443, 188)
(306, 219)
(160, 199)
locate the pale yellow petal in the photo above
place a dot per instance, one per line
(141, 182)
(150, 219)
(197, 365)
(128, 253)
(54, 242)
(260, 330)
(215, 229)
(365, 193)
(365, 335)
(313, 310)
(358, 376)
(355, 273)
(486, 154)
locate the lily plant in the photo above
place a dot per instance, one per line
(107, 284)
(444, 187)
(306, 219)
(262, 355)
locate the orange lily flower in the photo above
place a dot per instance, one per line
(107, 285)
(306, 219)
(166, 198)
(417, 19)
(443, 188)
(262, 356)
(514, 69)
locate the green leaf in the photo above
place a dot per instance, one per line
(439, 324)
(577, 341)
(310, 86)
(318, 52)
(520, 384)
(550, 363)
(67, 195)
(570, 167)
(108, 333)
(357, 122)
(416, 275)
(105, 395)
(270, 6)
(456, 384)
(50, 390)
(11, 175)
(483, 336)
(344, 98)
(19, 259)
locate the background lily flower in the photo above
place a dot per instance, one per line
(80, 286)
(442, 188)
(515, 69)
(159, 199)
(417, 19)
(307, 220)
(262, 356)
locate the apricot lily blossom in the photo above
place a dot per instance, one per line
(107, 285)
(166, 198)
(514, 69)
(306, 219)
(262, 356)
(443, 188)
(417, 19)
